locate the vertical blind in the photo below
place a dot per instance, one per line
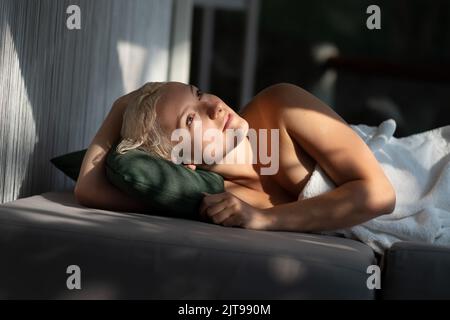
(57, 85)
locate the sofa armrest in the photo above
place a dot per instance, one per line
(416, 271)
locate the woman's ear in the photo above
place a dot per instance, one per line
(190, 166)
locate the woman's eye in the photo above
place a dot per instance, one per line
(189, 120)
(199, 93)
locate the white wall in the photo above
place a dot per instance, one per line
(56, 85)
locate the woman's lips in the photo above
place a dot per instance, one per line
(228, 121)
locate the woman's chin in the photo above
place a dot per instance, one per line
(243, 125)
(240, 129)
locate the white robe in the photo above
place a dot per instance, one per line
(418, 167)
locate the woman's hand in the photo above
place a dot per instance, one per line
(228, 210)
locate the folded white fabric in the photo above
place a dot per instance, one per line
(418, 167)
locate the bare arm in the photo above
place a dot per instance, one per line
(92, 188)
(363, 191)
(350, 204)
(345, 206)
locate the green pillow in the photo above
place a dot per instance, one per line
(167, 188)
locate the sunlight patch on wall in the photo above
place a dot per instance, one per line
(18, 134)
(133, 59)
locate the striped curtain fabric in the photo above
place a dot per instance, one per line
(57, 85)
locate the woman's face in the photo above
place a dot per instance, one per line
(183, 106)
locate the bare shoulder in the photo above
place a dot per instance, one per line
(318, 130)
(275, 103)
(281, 100)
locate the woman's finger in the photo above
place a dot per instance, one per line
(203, 207)
(218, 218)
(216, 208)
(210, 199)
(207, 201)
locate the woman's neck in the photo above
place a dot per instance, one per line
(239, 167)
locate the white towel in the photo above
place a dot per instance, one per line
(418, 167)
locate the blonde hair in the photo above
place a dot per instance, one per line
(140, 129)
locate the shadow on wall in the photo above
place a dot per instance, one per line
(58, 84)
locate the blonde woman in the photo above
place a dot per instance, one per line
(310, 133)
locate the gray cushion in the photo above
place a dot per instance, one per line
(416, 271)
(125, 255)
